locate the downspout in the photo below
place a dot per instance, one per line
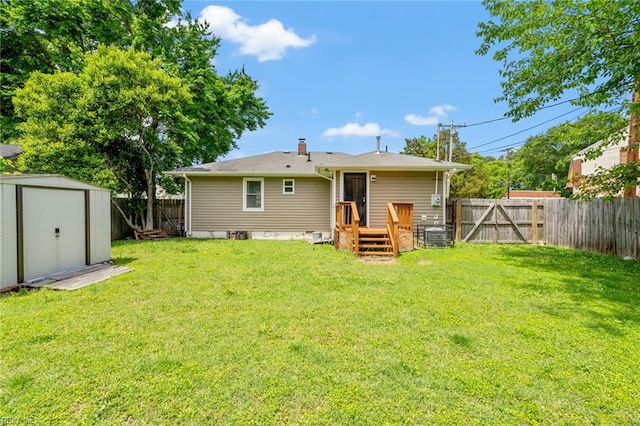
(445, 195)
(332, 205)
(446, 183)
(436, 190)
(187, 205)
(436, 182)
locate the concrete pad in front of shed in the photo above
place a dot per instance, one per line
(78, 278)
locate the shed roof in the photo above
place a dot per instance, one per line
(51, 181)
(10, 150)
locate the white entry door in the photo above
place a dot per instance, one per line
(53, 231)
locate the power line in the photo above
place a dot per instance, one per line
(505, 118)
(520, 143)
(527, 129)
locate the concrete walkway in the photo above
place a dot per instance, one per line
(81, 277)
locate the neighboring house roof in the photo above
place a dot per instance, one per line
(280, 163)
(525, 194)
(610, 156)
(383, 160)
(10, 151)
(615, 141)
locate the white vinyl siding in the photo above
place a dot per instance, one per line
(403, 187)
(609, 158)
(217, 205)
(253, 194)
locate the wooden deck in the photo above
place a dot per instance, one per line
(372, 241)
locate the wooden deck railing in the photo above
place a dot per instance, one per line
(405, 215)
(392, 227)
(399, 218)
(347, 217)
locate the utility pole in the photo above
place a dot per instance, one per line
(453, 129)
(508, 174)
(438, 143)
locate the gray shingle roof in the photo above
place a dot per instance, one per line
(286, 163)
(10, 150)
(390, 160)
(281, 163)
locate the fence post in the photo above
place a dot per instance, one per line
(534, 222)
(458, 222)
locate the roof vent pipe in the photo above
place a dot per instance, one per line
(377, 143)
(308, 157)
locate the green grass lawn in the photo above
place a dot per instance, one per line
(263, 332)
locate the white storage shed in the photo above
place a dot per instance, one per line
(50, 224)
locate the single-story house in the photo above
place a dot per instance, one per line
(310, 194)
(614, 152)
(50, 224)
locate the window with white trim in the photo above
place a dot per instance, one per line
(288, 186)
(253, 194)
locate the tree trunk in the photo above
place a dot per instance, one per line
(151, 195)
(634, 138)
(127, 219)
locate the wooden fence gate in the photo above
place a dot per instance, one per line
(498, 221)
(610, 227)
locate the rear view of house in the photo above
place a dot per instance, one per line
(278, 195)
(303, 194)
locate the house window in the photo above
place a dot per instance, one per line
(253, 194)
(288, 186)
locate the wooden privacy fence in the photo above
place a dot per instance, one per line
(610, 227)
(168, 216)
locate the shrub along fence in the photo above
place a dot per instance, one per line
(610, 227)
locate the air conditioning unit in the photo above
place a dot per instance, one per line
(436, 200)
(435, 237)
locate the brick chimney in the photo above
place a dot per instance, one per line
(302, 147)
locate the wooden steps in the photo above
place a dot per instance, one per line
(374, 242)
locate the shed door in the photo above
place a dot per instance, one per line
(53, 231)
(355, 189)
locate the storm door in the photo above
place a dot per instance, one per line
(355, 189)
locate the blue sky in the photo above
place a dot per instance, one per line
(339, 73)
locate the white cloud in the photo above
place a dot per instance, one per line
(355, 129)
(436, 114)
(267, 41)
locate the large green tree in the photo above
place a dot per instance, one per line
(60, 39)
(118, 123)
(551, 48)
(428, 147)
(54, 35)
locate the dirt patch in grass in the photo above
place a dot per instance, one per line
(380, 260)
